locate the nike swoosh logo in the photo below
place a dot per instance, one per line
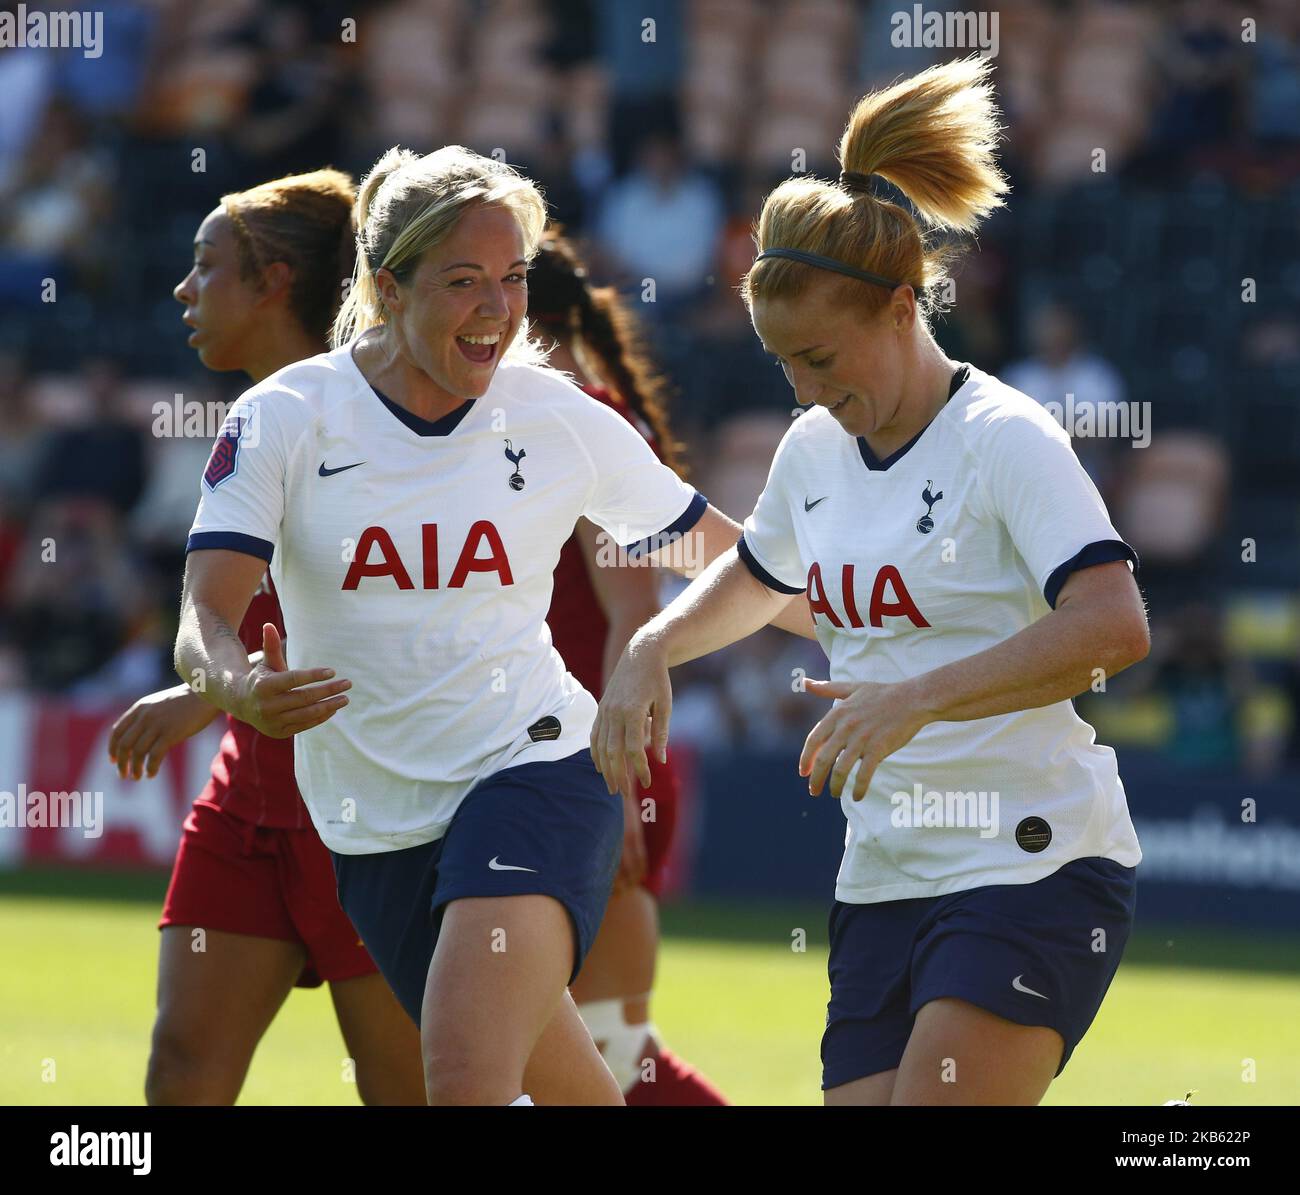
(1020, 987)
(324, 472)
(495, 866)
(807, 506)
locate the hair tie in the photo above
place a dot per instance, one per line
(855, 180)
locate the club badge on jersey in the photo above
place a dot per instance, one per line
(925, 524)
(516, 478)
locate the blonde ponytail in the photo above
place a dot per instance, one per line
(933, 136)
(362, 307)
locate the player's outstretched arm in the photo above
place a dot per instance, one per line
(714, 534)
(628, 595)
(143, 735)
(153, 726)
(210, 657)
(1099, 626)
(724, 604)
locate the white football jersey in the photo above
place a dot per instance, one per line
(948, 547)
(415, 558)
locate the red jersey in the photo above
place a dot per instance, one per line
(577, 621)
(252, 774)
(578, 630)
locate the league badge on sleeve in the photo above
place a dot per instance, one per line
(225, 452)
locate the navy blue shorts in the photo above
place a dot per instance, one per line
(1030, 953)
(550, 828)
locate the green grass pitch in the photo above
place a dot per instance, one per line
(733, 997)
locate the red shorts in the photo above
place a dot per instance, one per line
(241, 878)
(659, 833)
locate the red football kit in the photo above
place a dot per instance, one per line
(578, 630)
(250, 861)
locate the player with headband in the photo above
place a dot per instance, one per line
(966, 583)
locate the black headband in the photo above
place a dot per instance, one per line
(827, 263)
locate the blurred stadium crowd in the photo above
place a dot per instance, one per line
(1164, 272)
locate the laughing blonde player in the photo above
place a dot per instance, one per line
(251, 872)
(411, 491)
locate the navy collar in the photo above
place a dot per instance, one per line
(875, 464)
(427, 427)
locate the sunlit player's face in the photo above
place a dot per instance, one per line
(472, 284)
(220, 304)
(837, 357)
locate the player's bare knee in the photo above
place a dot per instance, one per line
(373, 1092)
(457, 1080)
(388, 1085)
(180, 1071)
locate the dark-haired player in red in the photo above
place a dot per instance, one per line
(252, 909)
(594, 611)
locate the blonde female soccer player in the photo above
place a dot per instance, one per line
(251, 872)
(966, 582)
(412, 490)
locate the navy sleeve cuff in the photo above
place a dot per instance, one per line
(675, 530)
(230, 541)
(1102, 551)
(742, 549)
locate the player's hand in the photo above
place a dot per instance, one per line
(280, 702)
(870, 723)
(632, 866)
(153, 726)
(635, 710)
